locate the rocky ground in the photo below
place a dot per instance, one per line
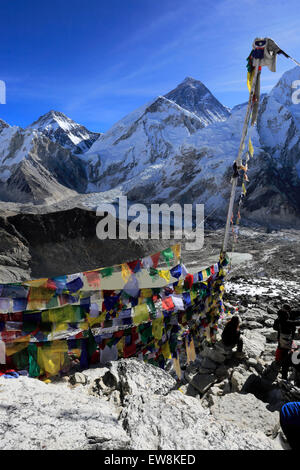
(222, 401)
(129, 405)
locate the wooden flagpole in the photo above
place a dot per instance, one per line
(238, 160)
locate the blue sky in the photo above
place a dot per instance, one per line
(97, 60)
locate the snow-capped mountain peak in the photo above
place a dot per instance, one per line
(176, 148)
(51, 118)
(194, 96)
(63, 130)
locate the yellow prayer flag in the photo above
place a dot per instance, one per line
(250, 76)
(177, 250)
(146, 293)
(157, 328)
(36, 282)
(165, 274)
(51, 358)
(39, 297)
(126, 272)
(13, 348)
(180, 287)
(165, 349)
(102, 317)
(60, 327)
(140, 314)
(187, 348)
(120, 346)
(66, 314)
(93, 320)
(250, 147)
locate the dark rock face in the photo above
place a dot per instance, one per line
(193, 95)
(273, 194)
(47, 171)
(14, 253)
(3, 125)
(63, 242)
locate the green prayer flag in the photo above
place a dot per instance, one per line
(145, 332)
(34, 369)
(106, 272)
(168, 255)
(153, 273)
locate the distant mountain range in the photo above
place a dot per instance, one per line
(177, 148)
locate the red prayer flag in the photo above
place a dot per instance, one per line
(93, 279)
(167, 303)
(189, 279)
(155, 259)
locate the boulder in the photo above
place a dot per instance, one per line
(269, 334)
(131, 376)
(179, 422)
(221, 371)
(254, 343)
(218, 353)
(268, 322)
(39, 416)
(131, 405)
(207, 363)
(246, 412)
(252, 325)
(202, 382)
(239, 379)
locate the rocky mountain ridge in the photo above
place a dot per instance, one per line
(178, 148)
(35, 169)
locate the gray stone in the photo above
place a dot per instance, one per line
(216, 353)
(254, 343)
(227, 387)
(252, 362)
(134, 406)
(246, 412)
(131, 376)
(270, 335)
(202, 382)
(208, 364)
(252, 325)
(37, 416)
(179, 422)
(204, 371)
(269, 322)
(215, 390)
(238, 380)
(271, 311)
(221, 371)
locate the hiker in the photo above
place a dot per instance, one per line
(286, 329)
(290, 423)
(231, 335)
